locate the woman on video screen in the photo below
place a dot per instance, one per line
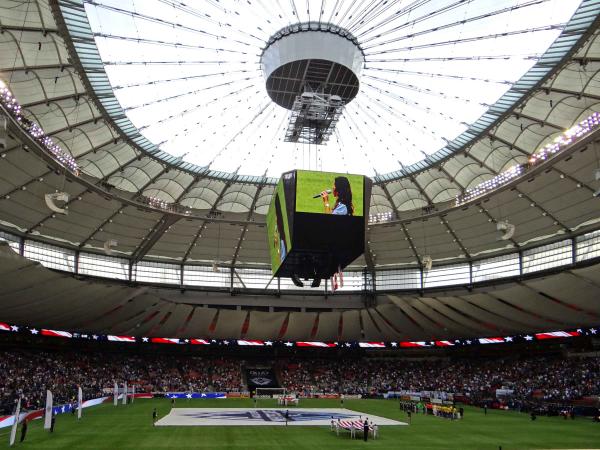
(343, 193)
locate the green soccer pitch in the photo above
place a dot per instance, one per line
(130, 427)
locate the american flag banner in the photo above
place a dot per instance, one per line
(120, 338)
(315, 344)
(444, 344)
(251, 342)
(492, 340)
(56, 333)
(165, 341)
(371, 344)
(557, 334)
(4, 326)
(412, 344)
(199, 342)
(206, 395)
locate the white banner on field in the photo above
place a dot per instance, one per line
(132, 393)
(116, 394)
(125, 393)
(13, 430)
(79, 402)
(8, 421)
(48, 411)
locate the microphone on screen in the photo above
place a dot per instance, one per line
(319, 194)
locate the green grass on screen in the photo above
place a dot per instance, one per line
(130, 427)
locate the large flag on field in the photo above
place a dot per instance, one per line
(116, 393)
(190, 395)
(79, 402)
(48, 412)
(13, 430)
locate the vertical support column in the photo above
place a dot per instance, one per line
(76, 268)
(573, 251)
(181, 275)
(471, 273)
(520, 262)
(22, 246)
(368, 287)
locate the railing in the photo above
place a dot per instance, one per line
(555, 255)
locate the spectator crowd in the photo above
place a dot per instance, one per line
(549, 378)
(29, 373)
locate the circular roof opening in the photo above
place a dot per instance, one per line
(191, 78)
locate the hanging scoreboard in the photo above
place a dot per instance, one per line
(316, 223)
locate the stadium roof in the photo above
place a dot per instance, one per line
(58, 65)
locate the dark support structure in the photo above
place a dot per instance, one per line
(152, 237)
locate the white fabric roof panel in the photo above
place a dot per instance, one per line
(229, 324)
(408, 329)
(474, 307)
(369, 327)
(502, 314)
(530, 300)
(172, 325)
(199, 324)
(328, 327)
(427, 309)
(265, 325)
(300, 325)
(573, 290)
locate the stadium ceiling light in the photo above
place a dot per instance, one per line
(108, 246)
(427, 263)
(56, 197)
(508, 230)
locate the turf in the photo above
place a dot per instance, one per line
(130, 427)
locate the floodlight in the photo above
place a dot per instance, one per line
(56, 197)
(427, 263)
(507, 228)
(108, 246)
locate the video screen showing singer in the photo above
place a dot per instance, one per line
(343, 198)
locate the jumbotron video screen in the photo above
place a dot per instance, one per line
(316, 223)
